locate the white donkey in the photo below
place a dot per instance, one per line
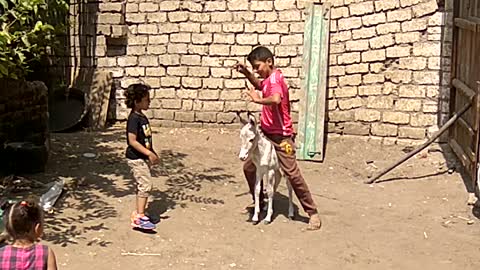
(262, 152)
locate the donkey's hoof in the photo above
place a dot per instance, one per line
(266, 222)
(292, 217)
(255, 222)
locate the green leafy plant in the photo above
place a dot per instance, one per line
(28, 31)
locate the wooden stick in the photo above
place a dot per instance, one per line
(423, 146)
(140, 254)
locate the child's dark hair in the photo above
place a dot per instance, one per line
(21, 218)
(135, 92)
(260, 54)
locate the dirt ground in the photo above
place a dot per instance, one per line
(409, 220)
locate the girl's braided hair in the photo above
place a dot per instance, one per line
(21, 218)
(135, 93)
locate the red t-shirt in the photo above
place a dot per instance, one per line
(276, 119)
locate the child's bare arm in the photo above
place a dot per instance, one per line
(253, 80)
(52, 261)
(274, 99)
(249, 75)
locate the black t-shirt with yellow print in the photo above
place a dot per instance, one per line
(138, 124)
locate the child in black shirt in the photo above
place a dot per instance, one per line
(140, 153)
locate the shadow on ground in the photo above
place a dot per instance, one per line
(91, 183)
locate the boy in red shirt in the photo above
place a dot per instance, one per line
(276, 124)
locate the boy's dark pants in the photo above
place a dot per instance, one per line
(285, 148)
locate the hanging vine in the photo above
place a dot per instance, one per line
(29, 31)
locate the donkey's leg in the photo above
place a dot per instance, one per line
(257, 195)
(291, 214)
(270, 193)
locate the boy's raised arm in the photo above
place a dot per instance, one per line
(249, 75)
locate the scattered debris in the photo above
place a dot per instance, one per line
(13, 183)
(422, 155)
(407, 149)
(462, 218)
(89, 155)
(425, 235)
(140, 254)
(445, 224)
(232, 265)
(468, 220)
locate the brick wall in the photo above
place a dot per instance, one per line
(389, 68)
(389, 60)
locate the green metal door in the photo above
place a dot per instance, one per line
(311, 124)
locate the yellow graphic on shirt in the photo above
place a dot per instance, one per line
(287, 147)
(148, 136)
(147, 144)
(146, 130)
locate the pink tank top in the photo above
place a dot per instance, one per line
(31, 258)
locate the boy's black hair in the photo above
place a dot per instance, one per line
(21, 218)
(260, 53)
(135, 92)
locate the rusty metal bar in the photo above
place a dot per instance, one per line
(467, 91)
(466, 24)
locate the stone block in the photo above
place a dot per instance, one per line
(349, 58)
(414, 25)
(408, 105)
(209, 117)
(399, 15)
(382, 41)
(356, 68)
(350, 80)
(367, 115)
(396, 117)
(351, 103)
(374, 19)
(171, 103)
(411, 91)
(374, 55)
(340, 116)
(425, 8)
(356, 129)
(384, 5)
(384, 130)
(411, 133)
(362, 33)
(361, 8)
(184, 116)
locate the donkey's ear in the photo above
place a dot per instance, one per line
(242, 120)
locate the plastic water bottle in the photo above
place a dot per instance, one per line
(51, 196)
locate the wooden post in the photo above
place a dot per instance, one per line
(312, 107)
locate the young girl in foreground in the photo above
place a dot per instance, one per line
(24, 225)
